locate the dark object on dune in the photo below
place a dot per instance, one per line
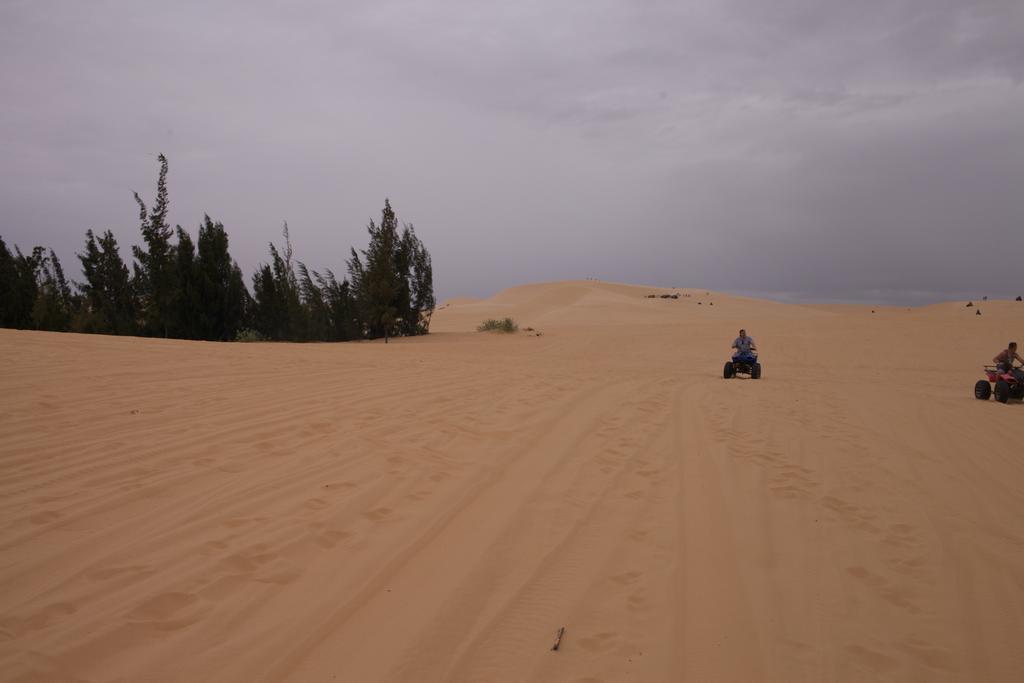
(652, 296)
(969, 304)
(1019, 299)
(700, 303)
(669, 296)
(977, 312)
(872, 310)
(984, 298)
(558, 638)
(712, 303)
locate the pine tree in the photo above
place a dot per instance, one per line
(109, 305)
(416, 299)
(34, 293)
(55, 304)
(278, 310)
(155, 271)
(8, 287)
(223, 297)
(186, 289)
(378, 285)
(338, 297)
(19, 286)
(422, 278)
(357, 289)
(317, 312)
(392, 282)
(268, 310)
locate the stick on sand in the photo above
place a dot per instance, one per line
(558, 638)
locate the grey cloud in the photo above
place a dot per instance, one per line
(798, 146)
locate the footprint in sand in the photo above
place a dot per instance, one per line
(161, 607)
(901, 536)
(223, 587)
(851, 514)
(44, 517)
(627, 578)
(211, 547)
(279, 578)
(636, 602)
(914, 566)
(874, 661)
(600, 642)
(639, 535)
(931, 657)
(236, 522)
(125, 573)
(320, 427)
(250, 559)
(16, 627)
(790, 491)
(329, 539)
(378, 514)
(884, 588)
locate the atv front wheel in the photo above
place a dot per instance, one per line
(729, 371)
(982, 390)
(755, 371)
(1002, 391)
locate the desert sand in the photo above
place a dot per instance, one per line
(435, 509)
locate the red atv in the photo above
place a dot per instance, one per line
(1007, 385)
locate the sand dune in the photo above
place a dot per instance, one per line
(435, 509)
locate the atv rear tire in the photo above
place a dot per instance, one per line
(982, 390)
(1002, 391)
(755, 371)
(1017, 391)
(729, 371)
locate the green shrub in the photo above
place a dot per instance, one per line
(249, 335)
(494, 325)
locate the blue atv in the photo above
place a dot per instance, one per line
(743, 364)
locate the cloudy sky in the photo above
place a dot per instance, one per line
(869, 150)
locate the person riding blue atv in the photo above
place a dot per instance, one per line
(743, 364)
(744, 361)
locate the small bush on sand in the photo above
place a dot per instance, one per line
(249, 335)
(494, 325)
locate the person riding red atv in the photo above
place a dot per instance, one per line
(1007, 385)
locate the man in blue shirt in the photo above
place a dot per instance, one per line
(744, 345)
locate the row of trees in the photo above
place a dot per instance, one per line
(194, 290)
